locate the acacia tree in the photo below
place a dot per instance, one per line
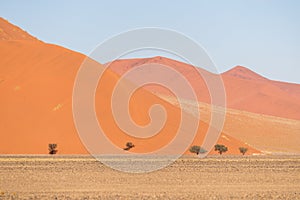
(52, 148)
(221, 148)
(243, 150)
(197, 150)
(129, 145)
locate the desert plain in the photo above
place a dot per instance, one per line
(213, 177)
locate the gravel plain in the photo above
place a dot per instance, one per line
(213, 177)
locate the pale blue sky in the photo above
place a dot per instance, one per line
(263, 35)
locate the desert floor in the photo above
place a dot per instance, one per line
(214, 177)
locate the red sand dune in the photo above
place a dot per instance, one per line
(245, 90)
(189, 72)
(36, 83)
(11, 32)
(256, 94)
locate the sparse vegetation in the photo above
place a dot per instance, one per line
(221, 148)
(243, 150)
(197, 150)
(52, 148)
(129, 145)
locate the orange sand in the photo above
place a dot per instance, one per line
(245, 90)
(36, 86)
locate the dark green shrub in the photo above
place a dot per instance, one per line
(243, 150)
(197, 150)
(221, 148)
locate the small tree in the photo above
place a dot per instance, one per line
(197, 150)
(52, 148)
(129, 145)
(221, 148)
(243, 150)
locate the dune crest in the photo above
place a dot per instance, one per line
(9, 31)
(243, 73)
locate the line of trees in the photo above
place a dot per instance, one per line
(220, 148)
(193, 149)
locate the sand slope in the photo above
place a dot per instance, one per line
(261, 112)
(267, 133)
(245, 90)
(36, 98)
(254, 93)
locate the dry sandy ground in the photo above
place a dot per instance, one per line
(215, 177)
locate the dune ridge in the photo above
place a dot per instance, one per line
(245, 89)
(9, 31)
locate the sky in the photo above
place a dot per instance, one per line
(262, 35)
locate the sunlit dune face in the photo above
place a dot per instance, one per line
(37, 92)
(139, 106)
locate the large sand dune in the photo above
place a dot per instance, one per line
(245, 90)
(36, 103)
(260, 112)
